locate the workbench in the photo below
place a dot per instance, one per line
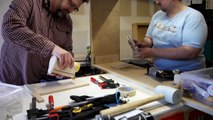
(157, 108)
(137, 75)
(124, 74)
(62, 98)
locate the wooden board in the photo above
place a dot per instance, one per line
(125, 7)
(139, 30)
(39, 89)
(143, 8)
(105, 29)
(106, 58)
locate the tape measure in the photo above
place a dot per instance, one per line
(126, 91)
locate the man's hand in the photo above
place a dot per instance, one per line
(147, 42)
(65, 58)
(143, 49)
(145, 52)
(141, 44)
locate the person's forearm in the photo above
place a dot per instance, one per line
(175, 53)
(15, 30)
(148, 42)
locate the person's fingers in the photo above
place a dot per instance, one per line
(61, 61)
(135, 41)
(64, 63)
(71, 61)
(66, 60)
(136, 54)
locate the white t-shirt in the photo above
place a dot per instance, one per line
(186, 28)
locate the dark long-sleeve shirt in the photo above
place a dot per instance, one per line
(30, 33)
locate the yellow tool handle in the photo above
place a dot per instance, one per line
(78, 110)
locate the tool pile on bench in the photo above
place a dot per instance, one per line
(84, 107)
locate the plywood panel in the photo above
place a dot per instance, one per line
(139, 30)
(105, 26)
(106, 59)
(125, 7)
(143, 8)
(38, 89)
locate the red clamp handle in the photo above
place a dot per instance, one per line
(51, 102)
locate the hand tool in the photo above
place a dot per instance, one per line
(107, 83)
(130, 115)
(162, 75)
(83, 108)
(34, 113)
(170, 95)
(69, 106)
(51, 102)
(100, 84)
(53, 116)
(88, 115)
(110, 83)
(33, 105)
(105, 79)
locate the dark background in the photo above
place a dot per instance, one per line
(208, 14)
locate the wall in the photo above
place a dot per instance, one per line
(81, 31)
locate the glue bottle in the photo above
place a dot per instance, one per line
(68, 72)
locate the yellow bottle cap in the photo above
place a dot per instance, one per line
(77, 66)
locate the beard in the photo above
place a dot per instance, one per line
(162, 8)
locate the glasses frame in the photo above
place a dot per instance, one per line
(73, 6)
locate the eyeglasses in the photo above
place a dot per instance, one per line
(154, 1)
(73, 6)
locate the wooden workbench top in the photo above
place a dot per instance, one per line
(133, 73)
(138, 76)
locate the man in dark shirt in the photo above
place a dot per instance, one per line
(33, 31)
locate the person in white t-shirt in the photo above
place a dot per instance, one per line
(175, 37)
